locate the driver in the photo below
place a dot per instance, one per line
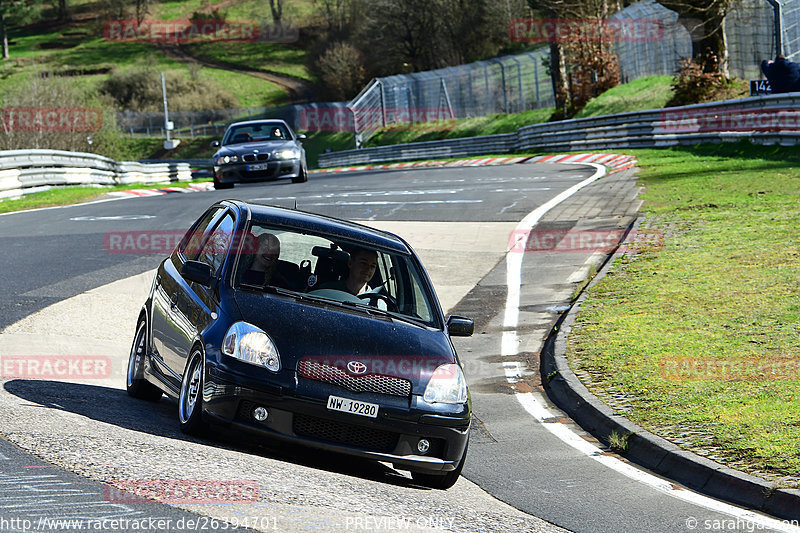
(361, 265)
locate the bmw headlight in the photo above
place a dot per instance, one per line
(287, 153)
(447, 385)
(252, 345)
(225, 159)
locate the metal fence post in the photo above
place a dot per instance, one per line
(778, 26)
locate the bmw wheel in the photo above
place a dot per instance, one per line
(190, 402)
(137, 386)
(303, 177)
(219, 185)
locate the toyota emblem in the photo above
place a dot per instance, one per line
(356, 368)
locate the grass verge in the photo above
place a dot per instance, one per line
(58, 196)
(701, 336)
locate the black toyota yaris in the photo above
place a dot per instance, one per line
(306, 328)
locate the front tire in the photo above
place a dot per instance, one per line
(219, 185)
(190, 402)
(303, 177)
(439, 481)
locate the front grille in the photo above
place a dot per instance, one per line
(374, 440)
(375, 383)
(253, 157)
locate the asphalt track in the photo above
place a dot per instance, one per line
(55, 254)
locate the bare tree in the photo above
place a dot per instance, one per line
(142, 7)
(276, 7)
(705, 20)
(12, 12)
(414, 35)
(559, 62)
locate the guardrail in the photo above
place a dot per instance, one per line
(766, 119)
(25, 171)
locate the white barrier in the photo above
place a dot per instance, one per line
(26, 171)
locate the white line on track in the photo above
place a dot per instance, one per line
(62, 206)
(535, 407)
(304, 204)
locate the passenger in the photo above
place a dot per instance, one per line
(361, 265)
(783, 75)
(264, 268)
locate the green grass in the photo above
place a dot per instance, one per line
(645, 93)
(81, 46)
(73, 195)
(465, 127)
(721, 293)
(318, 141)
(257, 55)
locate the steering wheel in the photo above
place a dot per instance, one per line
(373, 297)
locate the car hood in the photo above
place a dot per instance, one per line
(319, 334)
(248, 148)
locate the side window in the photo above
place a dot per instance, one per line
(190, 245)
(215, 247)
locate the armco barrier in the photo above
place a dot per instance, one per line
(687, 125)
(23, 171)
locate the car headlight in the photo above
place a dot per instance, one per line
(447, 385)
(252, 345)
(225, 159)
(287, 153)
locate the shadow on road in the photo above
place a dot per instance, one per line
(115, 407)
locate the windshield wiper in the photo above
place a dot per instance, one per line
(383, 312)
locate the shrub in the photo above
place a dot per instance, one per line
(698, 80)
(44, 93)
(342, 71)
(139, 89)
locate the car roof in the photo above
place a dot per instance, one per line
(260, 121)
(333, 228)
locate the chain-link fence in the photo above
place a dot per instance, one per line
(750, 35)
(657, 52)
(790, 28)
(502, 85)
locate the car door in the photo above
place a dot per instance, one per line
(171, 325)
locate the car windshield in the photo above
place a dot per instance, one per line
(257, 132)
(340, 271)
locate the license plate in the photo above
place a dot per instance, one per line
(346, 405)
(258, 166)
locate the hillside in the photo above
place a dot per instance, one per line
(254, 73)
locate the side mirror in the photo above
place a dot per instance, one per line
(460, 326)
(214, 144)
(302, 137)
(197, 272)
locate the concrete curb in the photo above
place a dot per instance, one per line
(645, 448)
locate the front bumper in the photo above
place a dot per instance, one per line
(242, 172)
(302, 418)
